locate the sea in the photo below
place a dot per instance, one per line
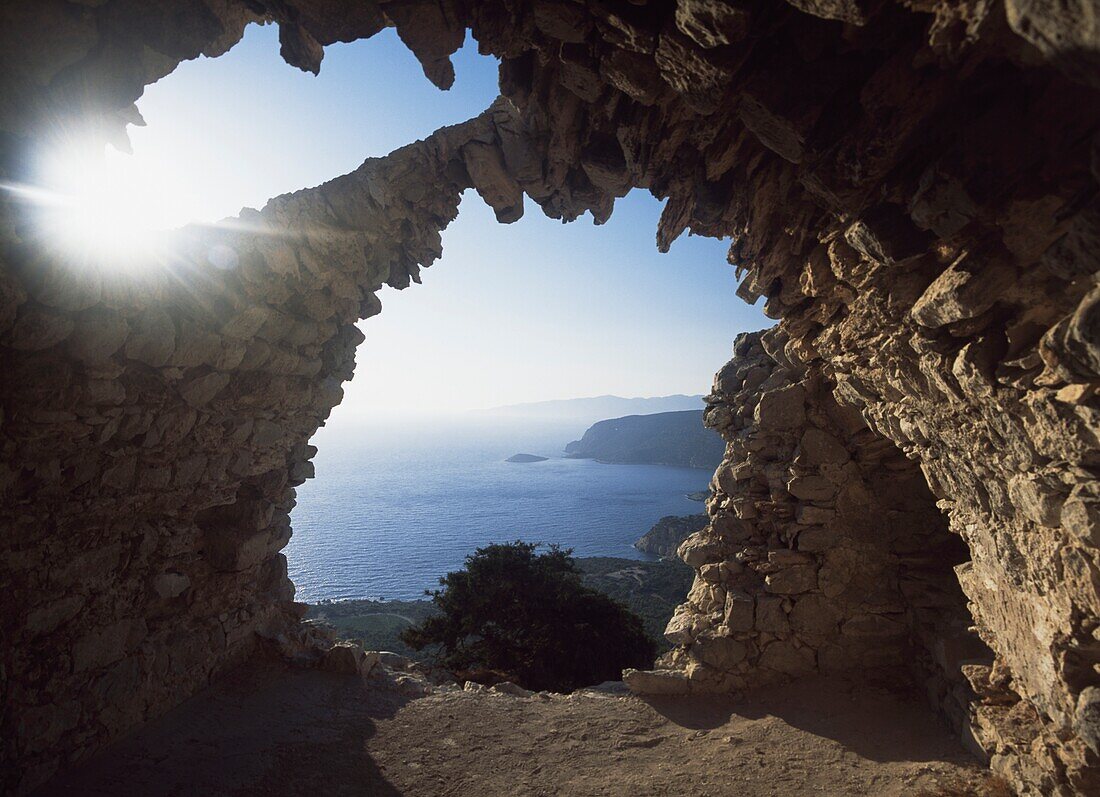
(395, 506)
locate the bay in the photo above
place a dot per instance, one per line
(394, 506)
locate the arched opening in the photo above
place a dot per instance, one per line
(912, 189)
(826, 551)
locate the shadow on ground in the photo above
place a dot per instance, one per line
(874, 722)
(263, 730)
(270, 730)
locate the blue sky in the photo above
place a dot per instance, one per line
(523, 312)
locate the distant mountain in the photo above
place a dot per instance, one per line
(590, 410)
(665, 438)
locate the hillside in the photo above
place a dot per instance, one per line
(668, 532)
(649, 589)
(666, 438)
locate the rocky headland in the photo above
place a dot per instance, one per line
(910, 477)
(663, 438)
(667, 533)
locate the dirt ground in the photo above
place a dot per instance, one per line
(273, 730)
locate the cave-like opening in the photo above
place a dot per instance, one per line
(911, 186)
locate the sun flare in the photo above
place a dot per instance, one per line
(96, 206)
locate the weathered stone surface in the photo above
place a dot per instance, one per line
(348, 659)
(792, 580)
(720, 653)
(911, 187)
(781, 409)
(656, 682)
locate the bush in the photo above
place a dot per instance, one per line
(526, 614)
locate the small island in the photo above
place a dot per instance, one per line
(526, 458)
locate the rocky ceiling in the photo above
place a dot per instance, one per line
(911, 184)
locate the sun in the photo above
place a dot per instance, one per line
(97, 207)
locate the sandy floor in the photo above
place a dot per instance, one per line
(272, 730)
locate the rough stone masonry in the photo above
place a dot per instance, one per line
(912, 452)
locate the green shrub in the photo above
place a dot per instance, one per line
(526, 615)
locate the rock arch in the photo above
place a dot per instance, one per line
(911, 185)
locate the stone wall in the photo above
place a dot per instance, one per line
(154, 428)
(912, 185)
(825, 551)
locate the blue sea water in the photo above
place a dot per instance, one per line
(393, 509)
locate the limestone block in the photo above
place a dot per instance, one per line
(792, 580)
(98, 333)
(885, 235)
(120, 475)
(37, 328)
(712, 23)
(196, 347)
(739, 611)
(706, 597)
(771, 617)
(1081, 513)
(348, 659)
(697, 550)
(814, 616)
(783, 408)
(43, 725)
(811, 488)
(850, 11)
(560, 20)
(171, 585)
(1087, 718)
(152, 338)
(840, 566)
(689, 72)
(967, 288)
(515, 690)
(1036, 501)
(200, 389)
(874, 625)
(817, 447)
(815, 539)
(656, 682)
(105, 391)
(681, 627)
(1059, 31)
(787, 657)
(721, 653)
(809, 515)
(1079, 344)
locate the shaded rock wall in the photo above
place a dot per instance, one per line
(911, 185)
(154, 428)
(825, 550)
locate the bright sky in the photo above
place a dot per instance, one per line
(511, 313)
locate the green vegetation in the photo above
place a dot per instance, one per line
(377, 624)
(649, 589)
(519, 614)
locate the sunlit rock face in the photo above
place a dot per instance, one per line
(911, 186)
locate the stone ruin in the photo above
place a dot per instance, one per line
(910, 480)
